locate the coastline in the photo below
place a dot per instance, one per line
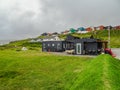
(3, 42)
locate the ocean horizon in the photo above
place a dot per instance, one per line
(3, 42)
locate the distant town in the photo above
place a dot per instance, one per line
(53, 36)
(84, 30)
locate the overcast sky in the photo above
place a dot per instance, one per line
(29, 18)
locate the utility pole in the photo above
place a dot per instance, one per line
(108, 36)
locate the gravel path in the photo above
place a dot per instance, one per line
(65, 54)
(116, 51)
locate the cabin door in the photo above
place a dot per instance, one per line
(78, 48)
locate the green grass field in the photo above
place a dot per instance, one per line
(34, 70)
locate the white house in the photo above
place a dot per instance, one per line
(51, 38)
(37, 40)
(82, 32)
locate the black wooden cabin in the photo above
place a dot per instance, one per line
(53, 46)
(83, 46)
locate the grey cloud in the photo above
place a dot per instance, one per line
(58, 15)
(83, 12)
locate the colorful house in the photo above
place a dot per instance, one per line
(72, 30)
(101, 27)
(89, 29)
(81, 29)
(117, 27)
(65, 32)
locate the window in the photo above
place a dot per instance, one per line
(48, 44)
(53, 44)
(72, 45)
(44, 44)
(58, 44)
(63, 45)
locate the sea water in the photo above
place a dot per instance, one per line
(3, 42)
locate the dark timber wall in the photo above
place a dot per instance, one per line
(53, 46)
(86, 45)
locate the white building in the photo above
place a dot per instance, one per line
(51, 38)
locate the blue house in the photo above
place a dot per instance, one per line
(81, 29)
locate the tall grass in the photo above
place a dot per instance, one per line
(102, 73)
(34, 70)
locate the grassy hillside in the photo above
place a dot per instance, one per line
(102, 73)
(34, 70)
(17, 45)
(115, 37)
(102, 34)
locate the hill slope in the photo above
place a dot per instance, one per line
(102, 73)
(102, 34)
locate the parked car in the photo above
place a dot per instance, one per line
(109, 51)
